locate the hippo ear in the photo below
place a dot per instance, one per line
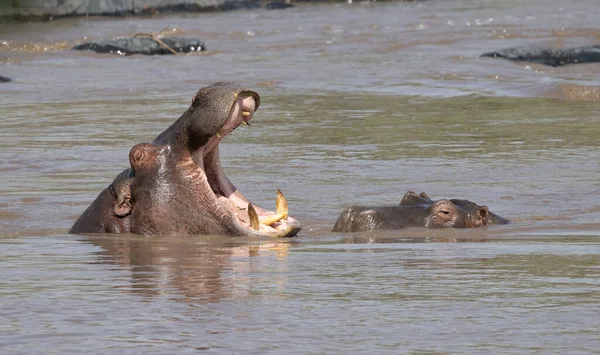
(123, 206)
(483, 212)
(411, 198)
(425, 196)
(408, 198)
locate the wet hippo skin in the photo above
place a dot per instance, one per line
(109, 212)
(416, 210)
(176, 185)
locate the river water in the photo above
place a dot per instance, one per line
(359, 103)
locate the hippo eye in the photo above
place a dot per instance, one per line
(138, 155)
(445, 211)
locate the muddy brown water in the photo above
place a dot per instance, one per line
(360, 103)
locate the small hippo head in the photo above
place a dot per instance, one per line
(446, 214)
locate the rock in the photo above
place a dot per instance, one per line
(549, 56)
(278, 5)
(144, 45)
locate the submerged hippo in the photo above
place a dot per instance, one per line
(417, 210)
(176, 184)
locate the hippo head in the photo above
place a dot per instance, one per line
(451, 213)
(474, 214)
(447, 214)
(179, 186)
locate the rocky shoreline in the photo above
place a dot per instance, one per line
(45, 10)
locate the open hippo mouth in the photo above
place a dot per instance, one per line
(203, 168)
(176, 185)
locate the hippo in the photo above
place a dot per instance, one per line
(176, 185)
(278, 5)
(417, 210)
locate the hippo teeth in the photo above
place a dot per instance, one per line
(246, 114)
(281, 204)
(281, 213)
(253, 217)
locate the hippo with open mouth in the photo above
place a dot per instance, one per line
(417, 210)
(176, 185)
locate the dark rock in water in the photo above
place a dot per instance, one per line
(549, 56)
(144, 45)
(229, 5)
(4, 79)
(278, 5)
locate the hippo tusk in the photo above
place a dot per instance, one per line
(281, 212)
(253, 217)
(245, 114)
(274, 218)
(281, 204)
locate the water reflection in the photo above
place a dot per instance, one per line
(420, 235)
(360, 105)
(204, 269)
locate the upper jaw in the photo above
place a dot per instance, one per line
(242, 111)
(226, 194)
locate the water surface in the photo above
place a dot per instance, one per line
(359, 103)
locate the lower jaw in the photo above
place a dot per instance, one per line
(282, 229)
(239, 208)
(232, 201)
